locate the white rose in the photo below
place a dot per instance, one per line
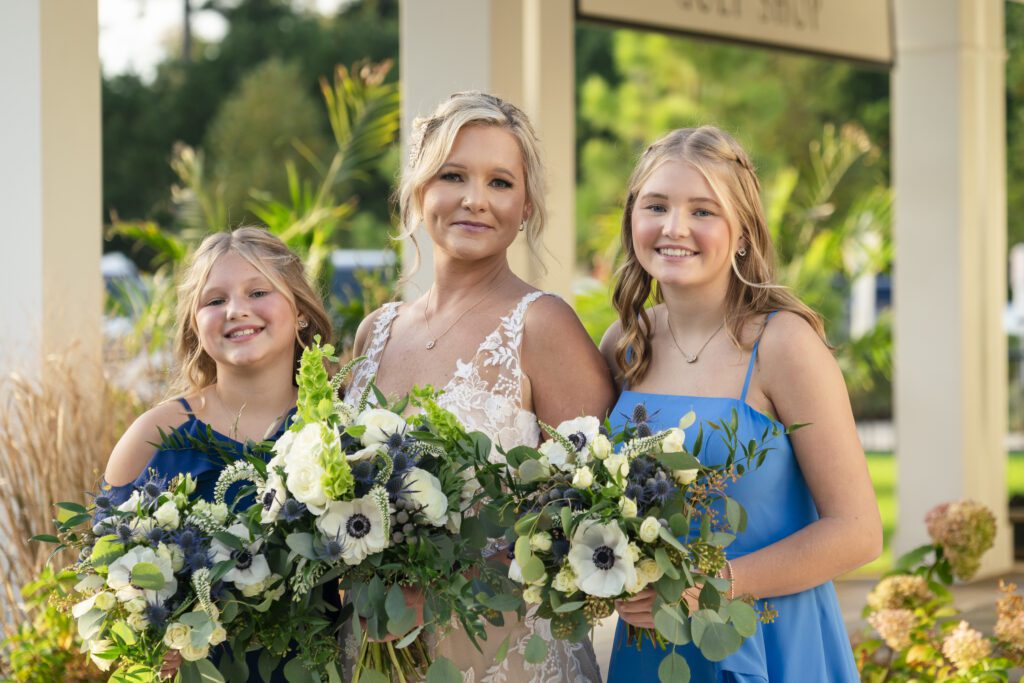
(380, 424)
(132, 503)
(638, 583)
(137, 622)
(105, 601)
(167, 515)
(583, 478)
(305, 482)
(96, 648)
(194, 654)
(649, 569)
(540, 542)
(515, 572)
(627, 507)
(532, 594)
(177, 636)
(173, 553)
(649, 530)
(135, 605)
(251, 590)
(556, 455)
(673, 441)
(684, 477)
(565, 580)
(218, 636)
(283, 445)
(424, 490)
(601, 447)
(617, 465)
(634, 552)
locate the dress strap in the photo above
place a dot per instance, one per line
(185, 405)
(753, 359)
(366, 370)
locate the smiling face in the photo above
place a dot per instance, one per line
(679, 229)
(475, 203)
(241, 318)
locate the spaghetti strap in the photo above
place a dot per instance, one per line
(753, 359)
(184, 403)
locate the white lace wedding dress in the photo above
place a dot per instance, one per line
(485, 393)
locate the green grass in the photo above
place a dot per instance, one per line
(883, 474)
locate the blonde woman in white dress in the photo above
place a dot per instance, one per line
(505, 353)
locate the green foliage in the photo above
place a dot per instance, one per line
(253, 135)
(45, 645)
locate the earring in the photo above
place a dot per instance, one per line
(303, 324)
(522, 226)
(741, 252)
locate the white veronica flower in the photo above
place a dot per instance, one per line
(119, 575)
(250, 566)
(423, 489)
(599, 555)
(358, 525)
(380, 424)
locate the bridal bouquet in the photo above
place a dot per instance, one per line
(158, 572)
(595, 525)
(384, 504)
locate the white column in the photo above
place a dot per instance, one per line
(50, 185)
(950, 269)
(512, 49)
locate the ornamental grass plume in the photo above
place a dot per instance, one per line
(965, 647)
(965, 530)
(56, 431)
(895, 626)
(900, 591)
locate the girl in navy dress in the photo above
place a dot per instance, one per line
(245, 311)
(723, 337)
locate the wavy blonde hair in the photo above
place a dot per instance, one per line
(431, 142)
(267, 254)
(752, 288)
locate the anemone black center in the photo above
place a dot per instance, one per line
(358, 526)
(268, 498)
(242, 558)
(604, 557)
(578, 440)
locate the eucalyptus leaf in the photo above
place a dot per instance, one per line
(673, 624)
(443, 671)
(536, 649)
(301, 544)
(743, 617)
(673, 669)
(533, 569)
(665, 564)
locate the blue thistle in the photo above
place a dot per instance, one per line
(102, 502)
(634, 491)
(574, 498)
(124, 533)
(658, 491)
(292, 510)
(195, 561)
(156, 614)
(155, 535)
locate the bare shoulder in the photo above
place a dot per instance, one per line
(548, 317)
(365, 331)
(609, 344)
(789, 344)
(136, 448)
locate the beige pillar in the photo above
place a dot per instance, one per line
(50, 185)
(950, 275)
(522, 51)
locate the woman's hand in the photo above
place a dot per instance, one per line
(415, 600)
(172, 662)
(639, 610)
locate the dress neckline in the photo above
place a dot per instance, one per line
(285, 423)
(731, 399)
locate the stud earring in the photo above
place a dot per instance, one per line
(741, 252)
(303, 324)
(522, 226)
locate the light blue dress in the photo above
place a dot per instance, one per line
(808, 640)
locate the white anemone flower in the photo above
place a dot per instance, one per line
(358, 525)
(250, 566)
(273, 494)
(119, 575)
(581, 433)
(599, 555)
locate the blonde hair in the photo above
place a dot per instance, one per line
(267, 254)
(752, 290)
(432, 140)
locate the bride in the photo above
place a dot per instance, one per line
(505, 353)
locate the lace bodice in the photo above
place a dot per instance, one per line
(485, 392)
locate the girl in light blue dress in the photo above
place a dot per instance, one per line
(723, 338)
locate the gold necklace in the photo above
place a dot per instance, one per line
(687, 357)
(432, 342)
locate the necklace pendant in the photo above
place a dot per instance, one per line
(689, 360)
(430, 344)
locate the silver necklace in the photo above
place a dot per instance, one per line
(687, 357)
(432, 342)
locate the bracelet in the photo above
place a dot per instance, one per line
(732, 580)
